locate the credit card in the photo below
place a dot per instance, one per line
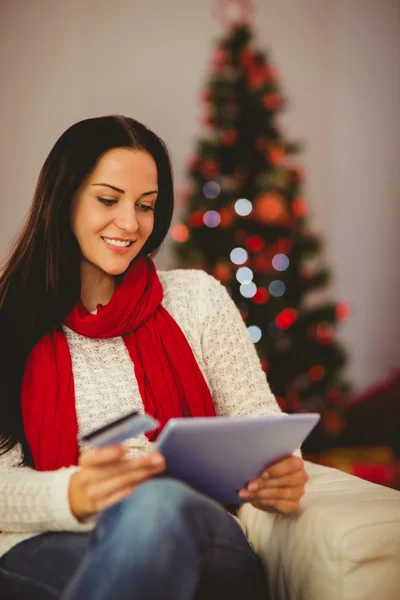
(128, 426)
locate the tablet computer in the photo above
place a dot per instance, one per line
(219, 455)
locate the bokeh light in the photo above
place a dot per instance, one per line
(277, 288)
(211, 189)
(248, 290)
(180, 233)
(280, 262)
(244, 275)
(255, 333)
(238, 256)
(243, 207)
(212, 218)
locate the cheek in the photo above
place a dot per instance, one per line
(87, 221)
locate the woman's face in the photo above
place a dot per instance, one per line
(112, 213)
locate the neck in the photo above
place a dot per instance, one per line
(97, 287)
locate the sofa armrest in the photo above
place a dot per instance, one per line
(344, 543)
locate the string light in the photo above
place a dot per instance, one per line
(255, 333)
(212, 218)
(211, 189)
(238, 256)
(248, 290)
(244, 275)
(280, 262)
(277, 288)
(243, 207)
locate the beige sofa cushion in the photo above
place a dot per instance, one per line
(344, 544)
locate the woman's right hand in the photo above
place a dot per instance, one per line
(106, 478)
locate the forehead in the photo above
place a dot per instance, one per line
(125, 168)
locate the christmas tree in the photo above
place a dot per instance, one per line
(246, 223)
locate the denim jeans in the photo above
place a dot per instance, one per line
(166, 541)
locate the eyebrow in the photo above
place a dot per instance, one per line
(123, 191)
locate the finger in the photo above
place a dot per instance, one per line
(282, 506)
(112, 499)
(99, 489)
(102, 456)
(283, 467)
(280, 493)
(277, 493)
(292, 480)
(99, 473)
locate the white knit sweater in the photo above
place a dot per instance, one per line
(34, 502)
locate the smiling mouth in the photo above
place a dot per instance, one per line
(118, 243)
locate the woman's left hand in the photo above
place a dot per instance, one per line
(281, 486)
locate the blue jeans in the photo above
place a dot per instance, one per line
(166, 541)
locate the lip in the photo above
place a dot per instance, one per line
(119, 249)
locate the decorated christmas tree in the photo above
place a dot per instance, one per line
(246, 223)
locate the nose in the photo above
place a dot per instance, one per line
(125, 218)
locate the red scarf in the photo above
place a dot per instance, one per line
(170, 381)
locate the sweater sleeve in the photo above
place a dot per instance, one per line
(33, 501)
(238, 383)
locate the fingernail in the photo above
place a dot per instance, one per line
(253, 487)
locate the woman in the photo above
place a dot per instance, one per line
(93, 332)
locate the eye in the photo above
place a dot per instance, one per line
(106, 201)
(145, 207)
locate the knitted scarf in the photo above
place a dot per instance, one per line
(169, 379)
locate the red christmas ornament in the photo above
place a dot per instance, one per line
(286, 318)
(205, 97)
(227, 217)
(228, 137)
(261, 296)
(307, 274)
(324, 333)
(196, 219)
(254, 243)
(246, 59)
(276, 155)
(256, 77)
(223, 272)
(272, 102)
(297, 173)
(270, 208)
(343, 311)
(299, 207)
(220, 57)
(209, 120)
(284, 246)
(316, 373)
(209, 169)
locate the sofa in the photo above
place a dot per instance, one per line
(344, 544)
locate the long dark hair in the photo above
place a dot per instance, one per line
(40, 280)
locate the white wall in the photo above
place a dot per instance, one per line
(61, 61)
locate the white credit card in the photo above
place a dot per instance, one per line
(128, 426)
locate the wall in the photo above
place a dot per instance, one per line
(67, 60)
